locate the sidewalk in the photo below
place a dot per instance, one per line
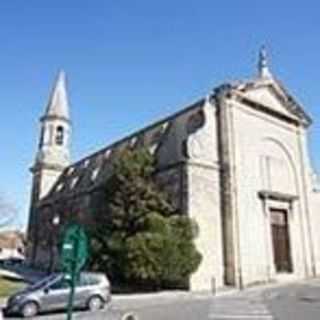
(225, 291)
(138, 301)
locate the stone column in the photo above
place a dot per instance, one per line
(232, 273)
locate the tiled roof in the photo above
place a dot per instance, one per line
(91, 171)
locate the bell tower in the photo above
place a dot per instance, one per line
(53, 153)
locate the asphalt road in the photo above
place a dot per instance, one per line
(154, 311)
(298, 301)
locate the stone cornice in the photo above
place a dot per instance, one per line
(54, 117)
(278, 196)
(203, 165)
(40, 166)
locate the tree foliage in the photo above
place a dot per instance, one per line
(138, 237)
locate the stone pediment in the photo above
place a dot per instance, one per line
(267, 97)
(271, 95)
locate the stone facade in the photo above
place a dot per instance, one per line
(236, 161)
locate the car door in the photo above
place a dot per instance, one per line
(82, 291)
(55, 295)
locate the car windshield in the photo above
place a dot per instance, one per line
(42, 283)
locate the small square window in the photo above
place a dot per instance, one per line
(153, 148)
(86, 163)
(164, 127)
(59, 187)
(133, 142)
(108, 153)
(95, 173)
(74, 182)
(70, 171)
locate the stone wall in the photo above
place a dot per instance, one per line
(261, 140)
(204, 208)
(203, 204)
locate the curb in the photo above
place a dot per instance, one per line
(175, 295)
(146, 296)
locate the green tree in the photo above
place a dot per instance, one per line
(138, 237)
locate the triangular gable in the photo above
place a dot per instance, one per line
(271, 94)
(267, 97)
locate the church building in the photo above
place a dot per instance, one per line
(236, 161)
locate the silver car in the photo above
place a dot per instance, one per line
(92, 291)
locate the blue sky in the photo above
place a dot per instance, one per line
(131, 62)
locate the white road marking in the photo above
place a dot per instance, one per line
(241, 316)
(246, 308)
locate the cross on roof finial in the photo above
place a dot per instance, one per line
(263, 67)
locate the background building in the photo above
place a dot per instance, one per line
(12, 246)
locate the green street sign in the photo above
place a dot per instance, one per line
(74, 254)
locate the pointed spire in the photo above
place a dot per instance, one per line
(263, 67)
(58, 105)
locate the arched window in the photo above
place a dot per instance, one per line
(59, 136)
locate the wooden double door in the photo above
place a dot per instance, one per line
(281, 240)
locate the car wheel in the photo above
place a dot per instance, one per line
(129, 316)
(30, 309)
(95, 303)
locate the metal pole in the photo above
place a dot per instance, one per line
(49, 270)
(73, 276)
(71, 296)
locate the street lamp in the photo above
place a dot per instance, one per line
(55, 223)
(56, 220)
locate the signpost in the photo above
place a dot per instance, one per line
(74, 254)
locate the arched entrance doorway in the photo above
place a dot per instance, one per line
(280, 202)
